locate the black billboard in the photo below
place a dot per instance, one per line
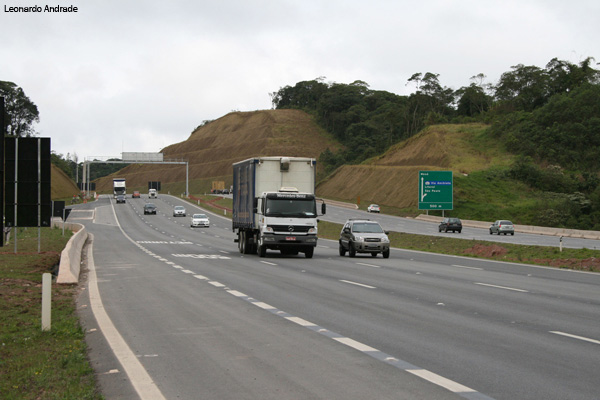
(27, 200)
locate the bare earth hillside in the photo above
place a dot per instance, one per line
(392, 178)
(214, 147)
(61, 186)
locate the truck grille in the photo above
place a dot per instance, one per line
(290, 228)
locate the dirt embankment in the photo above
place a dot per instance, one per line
(214, 147)
(61, 185)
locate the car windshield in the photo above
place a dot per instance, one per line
(150, 205)
(505, 223)
(454, 220)
(199, 216)
(299, 208)
(366, 228)
(179, 208)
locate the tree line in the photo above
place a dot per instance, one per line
(522, 108)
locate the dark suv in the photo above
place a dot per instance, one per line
(364, 236)
(450, 224)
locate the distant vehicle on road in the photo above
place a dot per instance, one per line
(120, 198)
(149, 208)
(119, 187)
(199, 220)
(152, 194)
(364, 236)
(179, 211)
(373, 208)
(135, 195)
(450, 224)
(502, 226)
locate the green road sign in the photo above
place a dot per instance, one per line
(435, 190)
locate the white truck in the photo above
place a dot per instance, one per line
(274, 205)
(119, 187)
(152, 194)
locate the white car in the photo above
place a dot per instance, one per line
(200, 220)
(373, 208)
(179, 211)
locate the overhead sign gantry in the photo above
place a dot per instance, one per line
(132, 158)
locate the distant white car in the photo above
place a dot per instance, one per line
(200, 220)
(179, 211)
(373, 208)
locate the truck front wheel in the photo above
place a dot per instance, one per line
(261, 249)
(308, 253)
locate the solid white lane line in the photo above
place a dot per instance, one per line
(576, 337)
(139, 377)
(462, 266)
(358, 284)
(369, 265)
(269, 263)
(502, 287)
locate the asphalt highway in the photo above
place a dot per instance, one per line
(187, 316)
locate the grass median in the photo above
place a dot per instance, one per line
(36, 364)
(577, 259)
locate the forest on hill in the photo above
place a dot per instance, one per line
(526, 104)
(549, 118)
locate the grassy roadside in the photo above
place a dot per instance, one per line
(36, 364)
(577, 259)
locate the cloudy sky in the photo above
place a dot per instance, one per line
(140, 75)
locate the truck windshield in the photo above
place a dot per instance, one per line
(297, 208)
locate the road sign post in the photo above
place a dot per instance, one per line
(435, 190)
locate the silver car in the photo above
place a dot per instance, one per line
(179, 211)
(364, 236)
(502, 226)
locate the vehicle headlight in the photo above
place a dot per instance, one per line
(313, 230)
(268, 229)
(385, 239)
(359, 238)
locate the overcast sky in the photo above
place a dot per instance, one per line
(140, 75)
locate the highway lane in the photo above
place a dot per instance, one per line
(488, 326)
(408, 225)
(196, 340)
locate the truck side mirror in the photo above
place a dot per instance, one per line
(255, 204)
(323, 208)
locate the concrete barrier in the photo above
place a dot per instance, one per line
(538, 230)
(70, 257)
(341, 204)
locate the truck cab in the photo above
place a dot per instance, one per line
(152, 194)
